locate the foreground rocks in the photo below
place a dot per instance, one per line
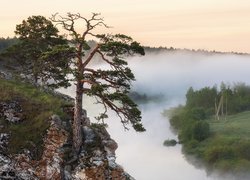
(96, 160)
(11, 111)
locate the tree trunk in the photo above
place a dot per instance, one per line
(77, 124)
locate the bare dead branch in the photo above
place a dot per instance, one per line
(89, 58)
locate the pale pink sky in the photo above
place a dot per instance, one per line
(223, 25)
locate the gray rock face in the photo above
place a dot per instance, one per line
(97, 158)
(4, 140)
(12, 168)
(5, 75)
(11, 111)
(95, 162)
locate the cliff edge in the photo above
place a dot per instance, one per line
(49, 155)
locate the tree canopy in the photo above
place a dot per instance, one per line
(110, 87)
(49, 58)
(37, 35)
(7, 42)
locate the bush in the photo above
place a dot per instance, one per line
(186, 133)
(190, 147)
(175, 121)
(201, 130)
(198, 113)
(170, 142)
(243, 150)
(218, 153)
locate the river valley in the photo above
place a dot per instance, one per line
(167, 75)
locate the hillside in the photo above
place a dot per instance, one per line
(221, 144)
(24, 115)
(228, 147)
(36, 138)
(234, 126)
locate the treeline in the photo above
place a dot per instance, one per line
(201, 104)
(7, 42)
(216, 141)
(233, 99)
(203, 51)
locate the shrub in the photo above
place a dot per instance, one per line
(175, 121)
(190, 147)
(170, 142)
(198, 113)
(243, 150)
(201, 130)
(217, 153)
(186, 133)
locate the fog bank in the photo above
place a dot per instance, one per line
(170, 74)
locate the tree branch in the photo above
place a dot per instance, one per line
(89, 58)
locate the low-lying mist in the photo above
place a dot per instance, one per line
(172, 73)
(169, 74)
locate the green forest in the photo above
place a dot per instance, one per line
(7, 42)
(214, 126)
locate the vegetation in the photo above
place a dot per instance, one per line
(37, 36)
(144, 98)
(222, 143)
(110, 87)
(48, 58)
(202, 51)
(37, 107)
(170, 142)
(7, 42)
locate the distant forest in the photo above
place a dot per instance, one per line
(172, 49)
(209, 102)
(7, 42)
(213, 126)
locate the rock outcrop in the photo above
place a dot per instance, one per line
(97, 158)
(11, 111)
(95, 162)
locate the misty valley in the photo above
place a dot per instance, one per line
(163, 80)
(125, 90)
(218, 135)
(195, 102)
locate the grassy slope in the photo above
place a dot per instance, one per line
(228, 147)
(235, 126)
(37, 107)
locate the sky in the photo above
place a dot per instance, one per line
(222, 25)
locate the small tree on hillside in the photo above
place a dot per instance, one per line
(38, 35)
(110, 87)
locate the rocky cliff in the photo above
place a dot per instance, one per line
(96, 160)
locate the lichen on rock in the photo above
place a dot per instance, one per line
(95, 162)
(11, 111)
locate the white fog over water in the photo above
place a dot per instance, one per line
(170, 75)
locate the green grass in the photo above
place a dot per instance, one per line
(37, 108)
(234, 126)
(228, 146)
